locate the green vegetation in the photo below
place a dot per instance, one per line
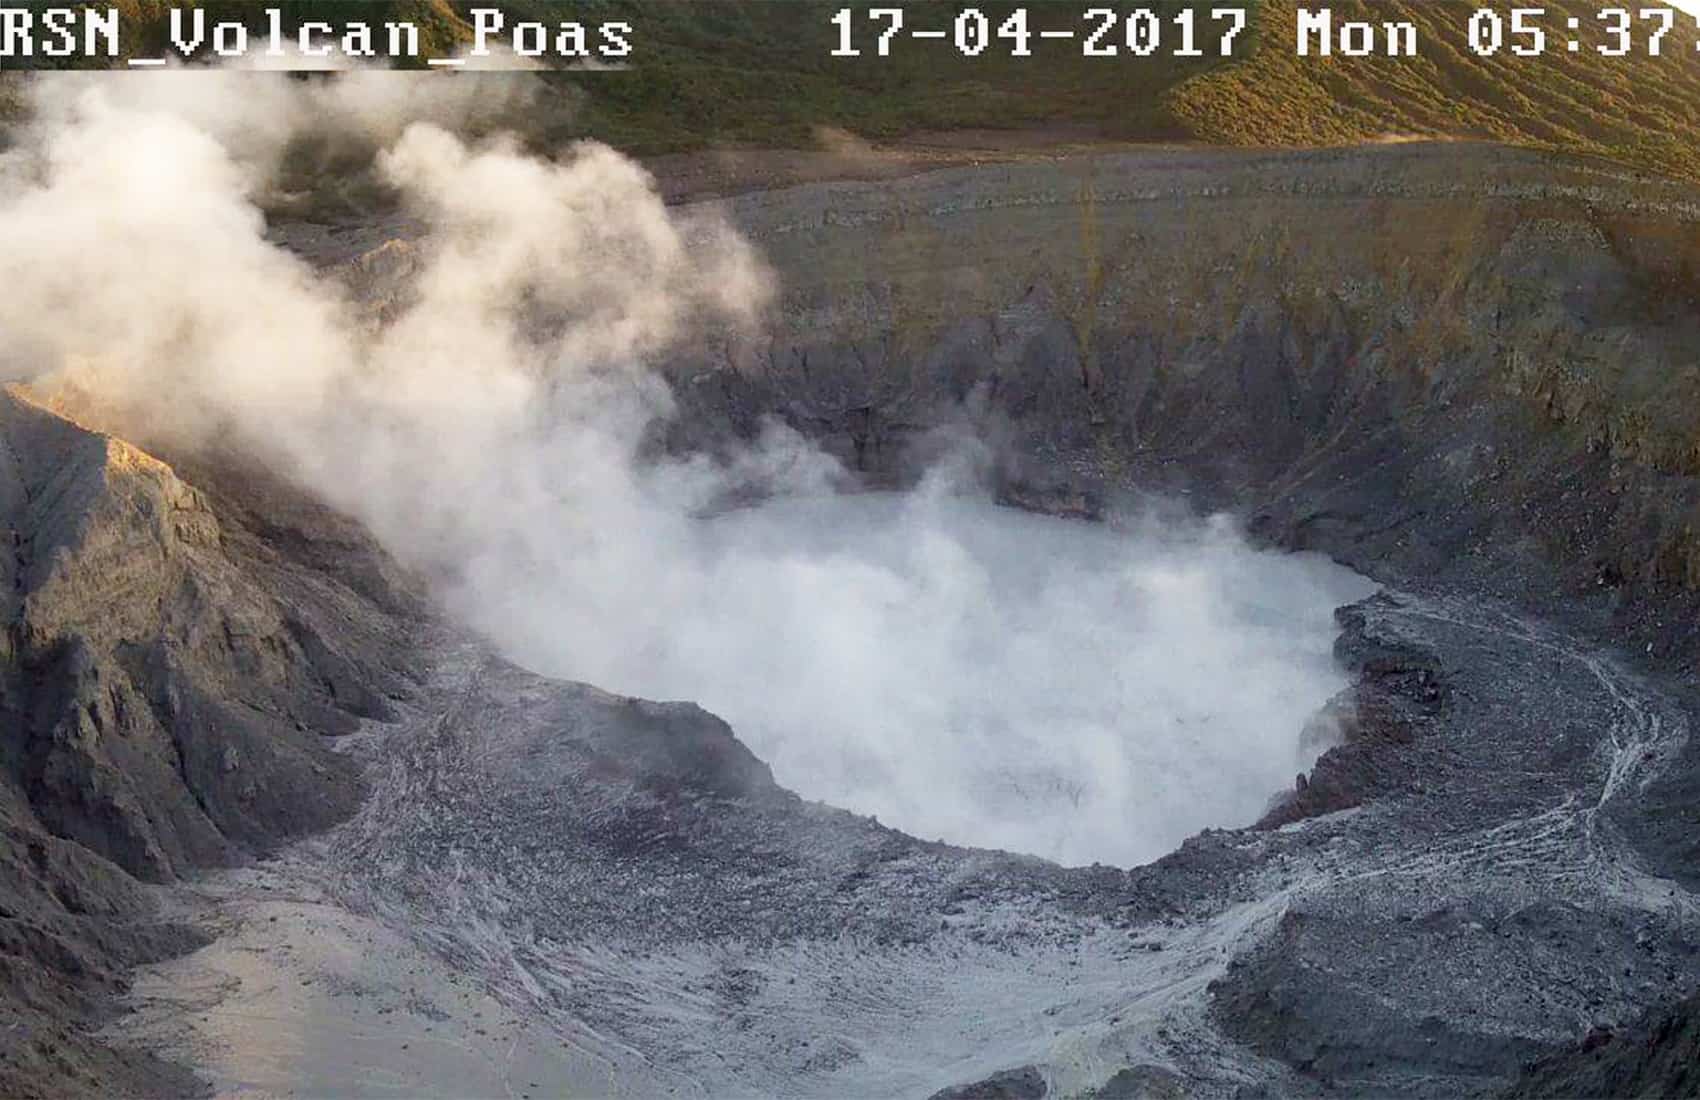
(761, 73)
(1637, 109)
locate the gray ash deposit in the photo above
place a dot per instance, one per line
(1459, 371)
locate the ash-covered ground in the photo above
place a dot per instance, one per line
(1481, 876)
(626, 877)
(1459, 371)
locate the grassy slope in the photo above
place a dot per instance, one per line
(759, 72)
(762, 72)
(1638, 109)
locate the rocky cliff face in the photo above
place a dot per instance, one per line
(1656, 1056)
(1441, 364)
(1459, 369)
(169, 685)
(1465, 371)
(1481, 333)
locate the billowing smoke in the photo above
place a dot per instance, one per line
(963, 671)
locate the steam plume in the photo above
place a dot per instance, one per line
(960, 670)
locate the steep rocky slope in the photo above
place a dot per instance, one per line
(1477, 380)
(624, 873)
(1462, 370)
(169, 682)
(1656, 1056)
(1481, 367)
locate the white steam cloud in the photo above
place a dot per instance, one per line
(963, 671)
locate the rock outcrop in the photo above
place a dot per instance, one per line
(169, 684)
(1459, 369)
(1658, 1056)
(1465, 371)
(1443, 365)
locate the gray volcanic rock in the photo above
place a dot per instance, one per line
(1460, 370)
(1026, 1083)
(168, 684)
(1658, 1056)
(71, 924)
(714, 927)
(1445, 362)
(168, 702)
(1399, 696)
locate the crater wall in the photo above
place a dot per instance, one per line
(1455, 366)
(1428, 360)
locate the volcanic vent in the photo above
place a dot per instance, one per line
(749, 448)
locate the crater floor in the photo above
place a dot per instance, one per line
(703, 930)
(1497, 860)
